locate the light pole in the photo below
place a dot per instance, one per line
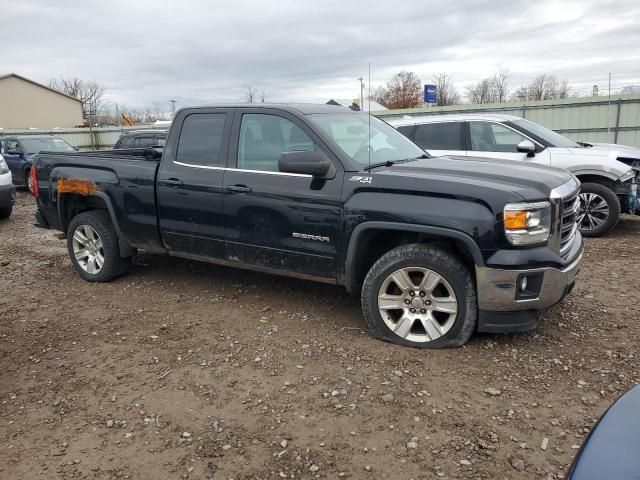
(361, 93)
(173, 107)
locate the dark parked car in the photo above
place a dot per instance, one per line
(141, 139)
(7, 190)
(437, 247)
(19, 150)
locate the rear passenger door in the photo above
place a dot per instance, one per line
(189, 184)
(275, 220)
(445, 138)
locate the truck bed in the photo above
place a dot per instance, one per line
(125, 179)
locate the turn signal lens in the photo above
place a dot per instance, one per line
(515, 220)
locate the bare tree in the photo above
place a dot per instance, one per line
(446, 91)
(404, 90)
(490, 90)
(263, 95)
(90, 93)
(543, 87)
(481, 92)
(250, 94)
(501, 85)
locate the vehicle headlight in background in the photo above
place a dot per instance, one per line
(3, 166)
(527, 223)
(629, 175)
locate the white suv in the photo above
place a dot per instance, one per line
(609, 173)
(7, 190)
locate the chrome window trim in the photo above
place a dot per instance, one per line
(265, 172)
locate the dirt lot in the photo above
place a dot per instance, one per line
(184, 370)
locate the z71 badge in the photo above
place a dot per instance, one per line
(361, 179)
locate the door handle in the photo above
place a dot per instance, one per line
(171, 182)
(239, 188)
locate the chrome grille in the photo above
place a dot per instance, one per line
(570, 209)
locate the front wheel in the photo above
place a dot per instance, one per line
(93, 247)
(421, 296)
(599, 210)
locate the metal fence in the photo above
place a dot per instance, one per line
(593, 119)
(84, 138)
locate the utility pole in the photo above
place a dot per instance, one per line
(173, 107)
(609, 108)
(361, 93)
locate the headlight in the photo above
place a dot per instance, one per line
(3, 166)
(627, 176)
(527, 223)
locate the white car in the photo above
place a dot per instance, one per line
(609, 173)
(7, 190)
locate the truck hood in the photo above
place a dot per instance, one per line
(480, 177)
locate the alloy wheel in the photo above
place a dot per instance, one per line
(88, 249)
(594, 211)
(417, 304)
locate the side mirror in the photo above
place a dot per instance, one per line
(306, 163)
(527, 146)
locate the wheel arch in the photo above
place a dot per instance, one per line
(71, 204)
(370, 240)
(602, 179)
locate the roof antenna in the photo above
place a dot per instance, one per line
(369, 100)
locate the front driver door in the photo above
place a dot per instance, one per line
(494, 140)
(275, 220)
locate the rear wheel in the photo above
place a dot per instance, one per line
(599, 209)
(5, 212)
(421, 296)
(93, 247)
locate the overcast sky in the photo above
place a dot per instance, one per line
(147, 52)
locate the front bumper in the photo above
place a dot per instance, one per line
(7, 196)
(503, 307)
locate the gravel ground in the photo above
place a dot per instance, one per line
(184, 370)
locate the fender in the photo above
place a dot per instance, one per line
(465, 239)
(126, 250)
(595, 173)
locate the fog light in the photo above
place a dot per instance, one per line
(523, 284)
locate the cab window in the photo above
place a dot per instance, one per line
(201, 140)
(493, 137)
(264, 137)
(440, 136)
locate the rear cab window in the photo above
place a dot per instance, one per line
(201, 140)
(440, 136)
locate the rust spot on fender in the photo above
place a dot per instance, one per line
(76, 185)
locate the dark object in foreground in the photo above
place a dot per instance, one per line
(612, 449)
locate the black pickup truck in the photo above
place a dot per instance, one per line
(437, 247)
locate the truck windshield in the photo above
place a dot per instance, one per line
(547, 137)
(53, 144)
(351, 133)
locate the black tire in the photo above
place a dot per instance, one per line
(5, 212)
(440, 261)
(613, 202)
(114, 265)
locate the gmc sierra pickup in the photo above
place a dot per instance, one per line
(437, 247)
